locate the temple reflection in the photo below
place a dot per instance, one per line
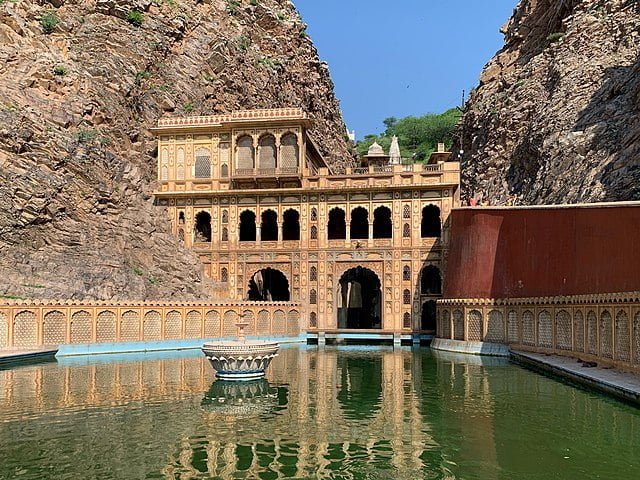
(318, 413)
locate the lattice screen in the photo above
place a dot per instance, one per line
(495, 327)
(636, 338)
(4, 330)
(212, 324)
(313, 320)
(474, 326)
(262, 328)
(152, 326)
(513, 332)
(81, 327)
(106, 327)
(25, 329)
(545, 329)
(173, 325)
(406, 320)
(267, 155)
(250, 318)
(606, 335)
(293, 322)
(54, 329)
(130, 326)
(193, 324)
(279, 322)
(623, 342)
(289, 152)
(563, 330)
(203, 163)
(528, 329)
(229, 320)
(246, 152)
(458, 325)
(446, 324)
(592, 333)
(578, 329)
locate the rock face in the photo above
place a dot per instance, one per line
(77, 163)
(555, 117)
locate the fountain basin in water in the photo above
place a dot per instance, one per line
(240, 360)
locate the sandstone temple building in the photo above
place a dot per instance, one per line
(362, 251)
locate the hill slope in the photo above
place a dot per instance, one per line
(77, 163)
(555, 117)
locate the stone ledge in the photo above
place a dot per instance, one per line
(470, 348)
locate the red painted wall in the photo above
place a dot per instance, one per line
(530, 252)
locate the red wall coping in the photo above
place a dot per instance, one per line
(502, 252)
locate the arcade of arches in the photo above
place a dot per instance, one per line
(363, 249)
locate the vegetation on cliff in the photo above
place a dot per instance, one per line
(417, 136)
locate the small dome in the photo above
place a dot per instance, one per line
(375, 150)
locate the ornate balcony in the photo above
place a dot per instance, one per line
(267, 172)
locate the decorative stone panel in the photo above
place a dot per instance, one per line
(279, 322)
(130, 326)
(623, 342)
(25, 329)
(606, 334)
(212, 324)
(446, 324)
(173, 325)
(106, 327)
(474, 326)
(152, 326)
(528, 329)
(636, 338)
(229, 328)
(458, 325)
(545, 329)
(293, 322)
(495, 327)
(4, 330)
(592, 333)
(81, 327)
(54, 328)
(513, 330)
(262, 326)
(193, 324)
(578, 331)
(563, 330)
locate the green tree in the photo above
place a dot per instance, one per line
(418, 137)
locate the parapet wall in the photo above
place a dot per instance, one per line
(34, 324)
(543, 251)
(602, 328)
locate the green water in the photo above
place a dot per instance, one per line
(323, 413)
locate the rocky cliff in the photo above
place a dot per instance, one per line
(555, 117)
(81, 81)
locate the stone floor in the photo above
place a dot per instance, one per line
(623, 385)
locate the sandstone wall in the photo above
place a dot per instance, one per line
(77, 161)
(555, 116)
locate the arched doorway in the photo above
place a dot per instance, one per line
(359, 223)
(247, 226)
(382, 225)
(431, 281)
(359, 299)
(269, 226)
(428, 318)
(269, 285)
(337, 226)
(291, 225)
(203, 227)
(430, 225)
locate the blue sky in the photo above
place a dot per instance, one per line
(407, 57)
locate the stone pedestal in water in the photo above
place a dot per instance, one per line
(241, 359)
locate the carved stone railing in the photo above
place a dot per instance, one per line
(268, 172)
(28, 324)
(604, 328)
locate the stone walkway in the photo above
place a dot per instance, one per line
(11, 355)
(625, 386)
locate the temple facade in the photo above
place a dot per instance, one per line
(360, 251)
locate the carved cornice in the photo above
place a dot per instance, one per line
(596, 298)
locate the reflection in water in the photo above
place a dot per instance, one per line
(324, 413)
(243, 399)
